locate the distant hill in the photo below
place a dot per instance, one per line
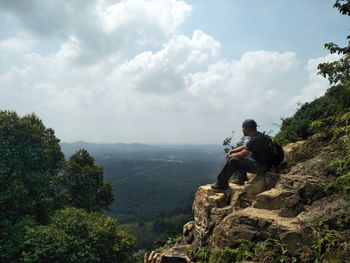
(153, 179)
(135, 148)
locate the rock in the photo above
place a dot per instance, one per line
(271, 199)
(243, 197)
(260, 183)
(188, 233)
(286, 206)
(250, 222)
(271, 205)
(212, 206)
(205, 200)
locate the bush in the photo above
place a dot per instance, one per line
(322, 111)
(77, 236)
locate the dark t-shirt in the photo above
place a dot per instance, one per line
(259, 147)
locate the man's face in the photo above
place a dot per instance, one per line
(245, 131)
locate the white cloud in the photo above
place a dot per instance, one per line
(122, 73)
(164, 71)
(317, 84)
(173, 94)
(14, 45)
(91, 30)
(165, 16)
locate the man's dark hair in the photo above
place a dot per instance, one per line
(250, 124)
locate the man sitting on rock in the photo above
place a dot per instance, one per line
(254, 157)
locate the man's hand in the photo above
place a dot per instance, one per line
(230, 155)
(155, 257)
(240, 154)
(231, 151)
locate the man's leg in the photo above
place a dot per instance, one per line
(235, 164)
(248, 165)
(241, 177)
(225, 174)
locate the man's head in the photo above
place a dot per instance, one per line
(249, 127)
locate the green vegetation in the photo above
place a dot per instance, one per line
(157, 233)
(338, 71)
(330, 111)
(329, 246)
(81, 185)
(342, 168)
(270, 250)
(75, 235)
(37, 187)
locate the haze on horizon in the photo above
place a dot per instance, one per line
(163, 71)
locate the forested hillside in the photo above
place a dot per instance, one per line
(153, 185)
(52, 209)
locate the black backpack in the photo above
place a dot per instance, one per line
(276, 151)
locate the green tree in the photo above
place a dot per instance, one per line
(30, 156)
(338, 71)
(77, 236)
(327, 110)
(81, 184)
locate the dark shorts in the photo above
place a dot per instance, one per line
(243, 165)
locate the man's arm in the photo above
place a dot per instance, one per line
(241, 154)
(238, 149)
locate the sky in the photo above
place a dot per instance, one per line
(163, 71)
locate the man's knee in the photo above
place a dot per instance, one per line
(234, 161)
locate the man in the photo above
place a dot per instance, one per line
(254, 157)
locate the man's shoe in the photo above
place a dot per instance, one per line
(239, 182)
(217, 186)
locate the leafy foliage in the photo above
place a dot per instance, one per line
(81, 184)
(169, 242)
(342, 169)
(30, 157)
(269, 250)
(334, 103)
(338, 71)
(12, 238)
(330, 245)
(77, 236)
(323, 113)
(343, 6)
(34, 182)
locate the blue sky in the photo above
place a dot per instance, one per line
(163, 71)
(301, 26)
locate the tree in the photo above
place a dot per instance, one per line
(338, 71)
(81, 184)
(77, 236)
(328, 109)
(30, 156)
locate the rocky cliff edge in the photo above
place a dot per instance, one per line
(284, 205)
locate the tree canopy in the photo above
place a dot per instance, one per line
(36, 181)
(77, 236)
(338, 71)
(333, 108)
(30, 156)
(81, 184)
